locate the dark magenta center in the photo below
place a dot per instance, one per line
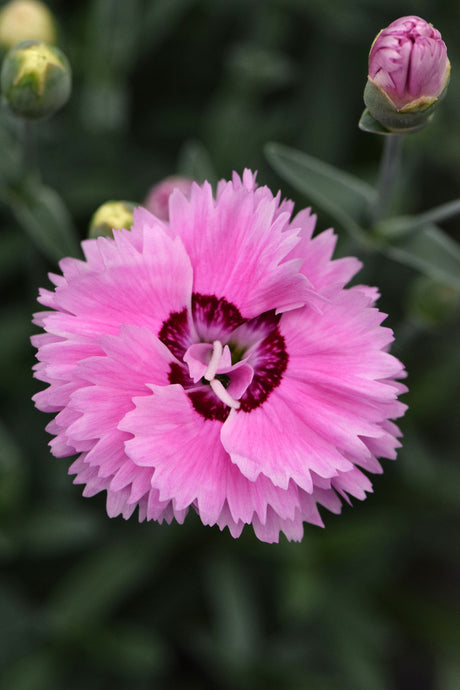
(257, 340)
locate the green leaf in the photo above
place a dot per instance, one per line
(431, 251)
(439, 213)
(43, 215)
(340, 194)
(98, 585)
(236, 625)
(232, 644)
(401, 225)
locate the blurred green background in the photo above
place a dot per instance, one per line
(372, 601)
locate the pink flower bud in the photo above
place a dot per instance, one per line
(408, 63)
(157, 201)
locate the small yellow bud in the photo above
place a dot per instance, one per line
(35, 79)
(113, 215)
(24, 20)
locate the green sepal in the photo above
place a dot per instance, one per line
(395, 121)
(369, 124)
(344, 197)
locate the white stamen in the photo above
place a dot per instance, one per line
(214, 362)
(223, 395)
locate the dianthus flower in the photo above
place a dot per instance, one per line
(217, 362)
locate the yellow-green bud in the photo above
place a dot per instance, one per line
(25, 20)
(36, 79)
(113, 215)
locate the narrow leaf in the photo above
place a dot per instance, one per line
(352, 192)
(98, 585)
(439, 213)
(401, 225)
(432, 252)
(45, 218)
(340, 194)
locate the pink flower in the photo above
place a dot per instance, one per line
(218, 363)
(157, 201)
(408, 62)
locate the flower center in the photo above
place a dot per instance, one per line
(210, 375)
(226, 362)
(218, 367)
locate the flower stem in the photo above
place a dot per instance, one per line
(388, 172)
(30, 163)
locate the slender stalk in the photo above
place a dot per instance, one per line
(389, 167)
(30, 150)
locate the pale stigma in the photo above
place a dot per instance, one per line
(210, 375)
(223, 395)
(214, 362)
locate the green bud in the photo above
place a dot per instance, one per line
(25, 20)
(35, 79)
(113, 215)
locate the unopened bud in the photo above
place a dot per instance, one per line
(157, 201)
(35, 79)
(25, 20)
(113, 215)
(408, 74)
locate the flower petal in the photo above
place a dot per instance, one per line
(190, 465)
(272, 439)
(181, 446)
(132, 287)
(238, 247)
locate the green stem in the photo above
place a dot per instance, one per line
(388, 172)
(30, 151)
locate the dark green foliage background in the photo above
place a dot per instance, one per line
(369, 603)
